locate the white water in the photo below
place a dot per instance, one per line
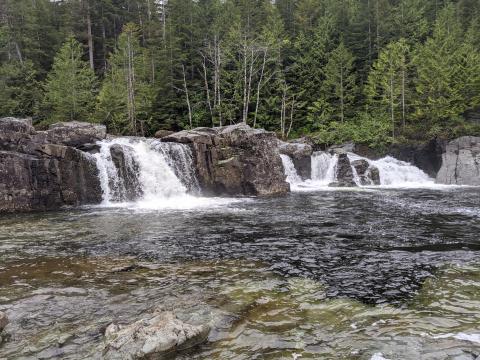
(397, 173)
(164, 173)
(292, 176)
(393, 173)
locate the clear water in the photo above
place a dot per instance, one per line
(369, 273)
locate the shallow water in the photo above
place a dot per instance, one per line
(390, 273)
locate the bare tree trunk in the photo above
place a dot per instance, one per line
(131, 85)
(259, 86)
(403, 98)
(341, 94)
(391, 107)
(90, 37)
(244, 116)
(249, 87)
(283, 113)
(207, 89)
(291, 116)
(188, 99)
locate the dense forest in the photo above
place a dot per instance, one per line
(371, 71)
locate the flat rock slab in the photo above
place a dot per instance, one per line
(155, 336)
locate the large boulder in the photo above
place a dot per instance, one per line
(157, 336)
(461, 162)
(38, 175)
(343, 172)
(159, 134)
(75, 133)
(300, 152)
(235, 160)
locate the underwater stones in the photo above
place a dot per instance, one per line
(156, 336)
(461, 162)
(235, 160)
(3, 321)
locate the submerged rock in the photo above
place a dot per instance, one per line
(235, 160)
(154, 337)
(3, 321)
(461, 162)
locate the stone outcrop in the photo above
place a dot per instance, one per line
(36, 174)
(461, 162)
(162, 133)
(300, 151)
(367, 174)
(128, 170)
(235, 160)
(157, 336)
(343, 172)
(75, 133)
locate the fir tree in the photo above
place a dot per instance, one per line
(70, 85)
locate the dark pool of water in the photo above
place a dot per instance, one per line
(374, 248)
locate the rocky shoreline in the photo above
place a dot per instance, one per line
(45, 170)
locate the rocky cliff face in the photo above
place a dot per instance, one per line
(461, 162)
(235, 160)
(39, 172)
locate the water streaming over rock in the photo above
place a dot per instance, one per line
(290, 171)
(393, 172)
(133, 169)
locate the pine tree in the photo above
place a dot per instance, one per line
(125, 100)
(439, 68)
(386, 89)
(339, 85)
(70, 85)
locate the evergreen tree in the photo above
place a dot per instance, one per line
(386, 89)
(70, 85)
(339, 85)
(125, 100)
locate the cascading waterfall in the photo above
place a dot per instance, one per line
(394, 172)
(323, 167)
(137, 169)
(290, 171)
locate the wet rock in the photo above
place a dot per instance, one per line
(300, 153)
(461, 162)
(75, 133)
(368, 174)
(374, 175)
(153, 337)
(35, 175)
(3, 321)
(163, 133)
(235, 160)
(343, 172)
(343, 148)
(128, 170)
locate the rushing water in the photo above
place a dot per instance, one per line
(352, 274)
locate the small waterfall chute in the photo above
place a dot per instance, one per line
(149, 171)
(323, 167)
(291, 173)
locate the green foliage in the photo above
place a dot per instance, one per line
(21, 91)
(372, 71)
(70, 86)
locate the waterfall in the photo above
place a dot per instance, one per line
(290, 171)
(323, 167)
(394, 172)
(137, 169)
